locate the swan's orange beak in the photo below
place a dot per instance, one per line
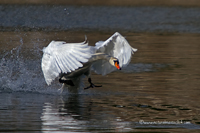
(117, 65)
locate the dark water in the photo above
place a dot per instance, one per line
(99, 18)
(158, 91)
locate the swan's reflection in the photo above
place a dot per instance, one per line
(62, 116)
(78, 113)
(94, 113)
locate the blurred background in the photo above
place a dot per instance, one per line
(160, 84)
(185, 3)
(111, 15)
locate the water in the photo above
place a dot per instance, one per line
(158, 91)
(99, 18)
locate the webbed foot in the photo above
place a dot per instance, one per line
(68, 82)
(91, 84)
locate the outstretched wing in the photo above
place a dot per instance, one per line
(61, 57)
(116, 46)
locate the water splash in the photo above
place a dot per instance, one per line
(20, 70)
(22, 73)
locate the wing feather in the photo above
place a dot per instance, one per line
(116, 46)
(68, 60)
(77, 64)
(61, 57)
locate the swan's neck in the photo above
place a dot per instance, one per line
(100, 56)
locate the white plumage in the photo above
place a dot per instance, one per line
(61, 57)
(70, 61)
(116, 46)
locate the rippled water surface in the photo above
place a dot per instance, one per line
(158, 91)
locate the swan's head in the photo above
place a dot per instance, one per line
(115, 62)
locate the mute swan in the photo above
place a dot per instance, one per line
(70, 61)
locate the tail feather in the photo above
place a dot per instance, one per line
(134, 50)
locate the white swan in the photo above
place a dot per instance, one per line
(70, 61)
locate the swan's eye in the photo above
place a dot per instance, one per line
(117, 64)
(116, 61)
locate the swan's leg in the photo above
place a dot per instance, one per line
(91, 84)
(68, 82)
(61, 89)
